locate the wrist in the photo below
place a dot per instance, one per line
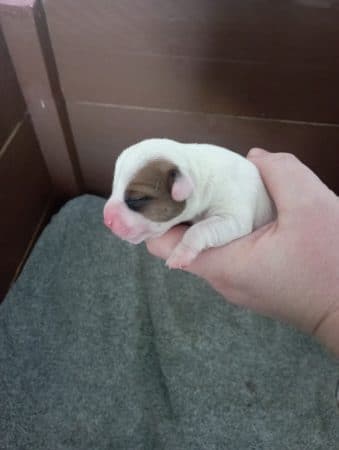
(327, 332)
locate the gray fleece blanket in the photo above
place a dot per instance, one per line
(102, 347)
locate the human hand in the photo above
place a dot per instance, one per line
(288, 269)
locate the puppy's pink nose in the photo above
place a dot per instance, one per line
(113, 219)
(108, 221)
(110, 211)
(110, 217)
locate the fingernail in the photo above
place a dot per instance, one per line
(256, 152)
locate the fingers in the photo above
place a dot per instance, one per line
(287, 179)
(163, 246)
(225, 268)
(220, 263)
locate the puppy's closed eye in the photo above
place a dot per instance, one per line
(137, 203)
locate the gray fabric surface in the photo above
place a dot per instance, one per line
(102, 347)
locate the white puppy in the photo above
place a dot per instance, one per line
(159, 183)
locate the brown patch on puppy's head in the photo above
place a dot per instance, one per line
(149, 192)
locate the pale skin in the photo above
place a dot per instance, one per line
(288, 269)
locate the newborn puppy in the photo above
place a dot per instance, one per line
(159, 183)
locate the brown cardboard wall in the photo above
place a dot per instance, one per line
(99, 76)
(25, 189)
(12, 105)
(239, 74)
(102, 132)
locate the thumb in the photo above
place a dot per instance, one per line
(215, 264)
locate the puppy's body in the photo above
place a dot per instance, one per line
(220, 192)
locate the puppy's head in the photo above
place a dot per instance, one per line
(149, 196)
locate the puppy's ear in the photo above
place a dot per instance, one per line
(181, 185)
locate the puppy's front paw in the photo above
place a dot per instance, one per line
(181, 257)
